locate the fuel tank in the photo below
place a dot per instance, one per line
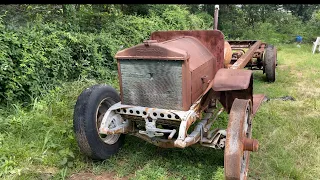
(227, 54)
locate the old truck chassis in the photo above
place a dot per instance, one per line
(128, 117)
(173, 87)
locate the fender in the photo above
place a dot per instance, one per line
(229, 84)
(232, 79)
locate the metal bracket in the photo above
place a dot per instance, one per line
(217, 141)
(152, 130)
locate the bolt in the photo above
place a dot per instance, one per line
(250, 144)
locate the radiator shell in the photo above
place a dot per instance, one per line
(171, 74)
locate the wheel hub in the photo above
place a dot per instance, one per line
(114, 120)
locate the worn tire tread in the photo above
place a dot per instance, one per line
(270, 63)
(89, 143)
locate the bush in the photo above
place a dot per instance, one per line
(265, 32)
(34, 60)
(37, 57)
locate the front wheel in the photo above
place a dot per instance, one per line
(89, 110)
(239, 131)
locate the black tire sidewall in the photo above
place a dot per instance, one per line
(99, 149)
(270, 63)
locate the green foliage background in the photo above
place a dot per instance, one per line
(42, 54)
(44, 45)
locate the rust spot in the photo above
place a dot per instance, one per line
(250, 144)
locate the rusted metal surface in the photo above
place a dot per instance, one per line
(120, 80)
(227, 53)
(206, 101)
(244, 59)
(250, 144)
(196, 71)
(241, 43)
(236, 156)
(227, 97)
(239, 52)
(152, 50)
(258, 53)
(200, 63)
(231, 84)
(216, 140)
(232, 79)
(257, 100)
(212, 39)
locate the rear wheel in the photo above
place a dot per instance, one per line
(89, 110)
(270, 63)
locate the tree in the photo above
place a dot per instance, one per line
(303, 11)
(139, 9)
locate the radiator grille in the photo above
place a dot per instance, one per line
(152, 83)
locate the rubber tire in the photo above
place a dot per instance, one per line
(270, 61)
(84, 122)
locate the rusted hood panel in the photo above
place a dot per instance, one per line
(231, 79)
(199, 54)
(153, 50)
(212, 39)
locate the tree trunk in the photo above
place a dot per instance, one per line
(64, 10)
(78, 7)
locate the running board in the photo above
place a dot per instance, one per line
(257, 100)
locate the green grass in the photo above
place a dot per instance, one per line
(289, 131)
(38, 142)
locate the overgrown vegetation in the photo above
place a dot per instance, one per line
(45, 45)
(50, 53)
(37, 57)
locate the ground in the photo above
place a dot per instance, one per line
(91, 176)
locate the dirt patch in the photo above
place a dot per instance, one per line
(91, 176)
(299, 74)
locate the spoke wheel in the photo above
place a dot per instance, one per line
(236, 159)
